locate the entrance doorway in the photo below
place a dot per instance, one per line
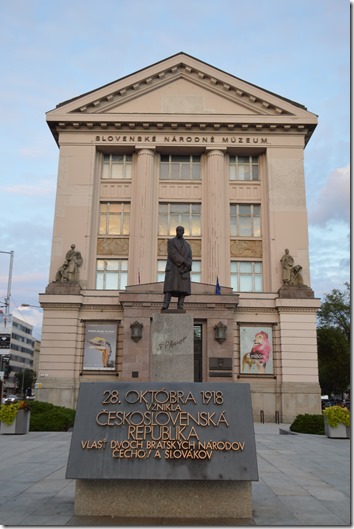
(198, 357)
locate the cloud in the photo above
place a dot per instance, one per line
(333, 200)
(329, 247)
(42, 188)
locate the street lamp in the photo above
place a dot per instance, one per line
(7, 299)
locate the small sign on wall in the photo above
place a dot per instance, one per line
(256, 350)
(100, 346)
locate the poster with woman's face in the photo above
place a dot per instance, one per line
(100, 346)
(256, 348)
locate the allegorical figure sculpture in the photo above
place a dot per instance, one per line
(287, 263)
(75, 260)
(62, 273)
(296, 276)
(178, 268)
(69, 271)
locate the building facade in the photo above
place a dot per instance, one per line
(182, 143)
(17, 353)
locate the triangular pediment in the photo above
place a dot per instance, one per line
(184, 92)
(179, 85)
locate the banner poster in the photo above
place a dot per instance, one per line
(100, 346)
(256, 350)
(5, 342)
(5, 323)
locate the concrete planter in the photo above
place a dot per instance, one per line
(339, 432)
(19, 426)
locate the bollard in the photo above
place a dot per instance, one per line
(276, 417)
(261, 413)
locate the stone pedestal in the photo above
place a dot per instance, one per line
(172, 347)
(172, 502)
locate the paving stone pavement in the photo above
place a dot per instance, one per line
(304, 480)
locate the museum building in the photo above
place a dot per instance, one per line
(181, 142)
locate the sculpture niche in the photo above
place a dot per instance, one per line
(178, 270)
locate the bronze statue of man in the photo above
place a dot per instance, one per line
(178, 270)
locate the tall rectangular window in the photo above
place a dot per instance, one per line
(245, 220)
(186, 215)
(117, 166)
(114, 218)
(111, 274)
(176, 167)
(244, 168)
(195, 273)
(246, 276)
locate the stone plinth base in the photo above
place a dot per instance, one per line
(65, 288)
(172, 357)
(170, 500)
(296, 292)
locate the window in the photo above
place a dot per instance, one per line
(245, 220)
(246, 276)
(195, 273)
(112, 274)
(244, 168)
(173, 167)
(114, 218)
(173, 215)
(117, 166)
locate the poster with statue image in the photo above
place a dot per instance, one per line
(256, 349)
(100, 346)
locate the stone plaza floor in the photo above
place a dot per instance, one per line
(304, 480)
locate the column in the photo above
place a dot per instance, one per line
(143, 221)
(216, 220)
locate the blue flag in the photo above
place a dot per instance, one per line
(217, 287)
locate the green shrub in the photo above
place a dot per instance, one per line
(46, 417)
(336, 415)
(307, 423)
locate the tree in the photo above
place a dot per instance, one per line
(25, 379)
(335, 311)
(333, 341)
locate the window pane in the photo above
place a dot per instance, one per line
(128, 171)
(111, 281)
(258, 268)
(117, 171)
(164, 171)
(185, 172)
(244, 172)
(245, 227)
(196, 171)
(99, 281)
(258, 284)
(126, 222)
(232, 172)
(245, 284)
(117, 158)
(245, 267)
(112, 264)
(114, 225)
(257, 227)
(174, 171)
(196, 230)
(105, 171)
(254, 172)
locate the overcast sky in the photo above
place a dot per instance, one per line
(54, 50)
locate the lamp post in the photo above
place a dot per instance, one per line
(7, 299)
